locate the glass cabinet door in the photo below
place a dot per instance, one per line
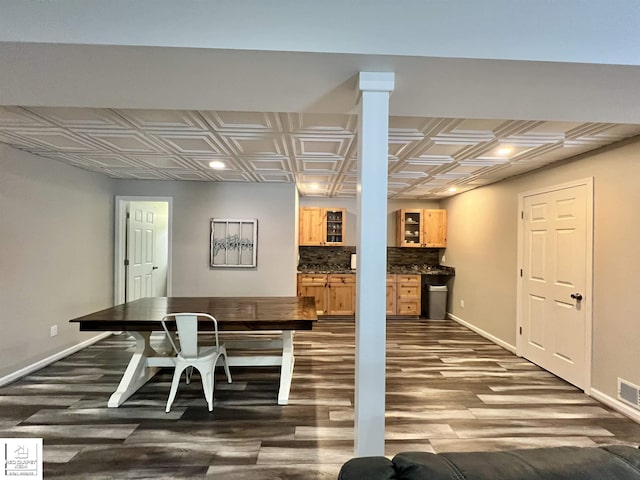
(335, 226)
(412, 225)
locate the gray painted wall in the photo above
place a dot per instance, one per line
(483, 248)
(56, 255)
(195, 203)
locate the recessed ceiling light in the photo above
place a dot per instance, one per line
(217, 165)
(314, 186)
(505, 151)
(452, 189)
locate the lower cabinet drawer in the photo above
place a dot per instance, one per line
(408, 308)
(409, 279)
(412, 291)
(341, 277)
(312, 278)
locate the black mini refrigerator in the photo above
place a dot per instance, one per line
(424, 296)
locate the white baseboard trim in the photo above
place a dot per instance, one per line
(616, 404)
(50, 359)
(481, 332)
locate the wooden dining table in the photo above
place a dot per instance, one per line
(269, 321)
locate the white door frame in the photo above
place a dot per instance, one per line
(120, 245)
(587, 303)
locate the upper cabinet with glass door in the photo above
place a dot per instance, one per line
(322, 226)
(421, 228)
(409, 228)
(335, 226)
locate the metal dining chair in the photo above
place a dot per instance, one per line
(191, 354)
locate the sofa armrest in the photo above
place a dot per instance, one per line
(367, 468)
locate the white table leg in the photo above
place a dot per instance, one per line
(286, 369)
(138, 371)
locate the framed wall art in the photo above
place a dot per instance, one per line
(234, 243)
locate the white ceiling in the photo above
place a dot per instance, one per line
(427, 156)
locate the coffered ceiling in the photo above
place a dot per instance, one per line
(429, 158)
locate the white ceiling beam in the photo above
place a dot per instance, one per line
(176, 78)
(576, 31)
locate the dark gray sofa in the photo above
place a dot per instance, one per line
(617, 462)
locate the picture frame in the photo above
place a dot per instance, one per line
(234, 243)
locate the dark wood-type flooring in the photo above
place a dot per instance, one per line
(448, 389)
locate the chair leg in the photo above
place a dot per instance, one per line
(174, 386)
(207, 386)
(189, 374)
(225, 363)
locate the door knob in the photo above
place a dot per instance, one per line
(154, 268)
(576, 296)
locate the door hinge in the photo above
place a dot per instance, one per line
(126, 263)
(520, 330)
(522, 215)
(128, 215)
(520, 272)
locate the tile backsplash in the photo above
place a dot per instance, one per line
(395, 255)
(411, 256)
(326, 255)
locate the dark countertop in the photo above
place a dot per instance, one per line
(402, 269)
(422, 269)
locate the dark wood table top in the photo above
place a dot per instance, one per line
(232, 313)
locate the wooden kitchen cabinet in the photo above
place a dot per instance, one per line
(421, 228)
(435, 228)
(322, 226)
(335, 294)
(341, 294)
(408, 294)
(310, 229)
(403, 295)
(314, 285)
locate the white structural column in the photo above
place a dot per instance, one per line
(373, 134)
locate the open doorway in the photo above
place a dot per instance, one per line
(142, 248)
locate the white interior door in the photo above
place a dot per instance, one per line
(141, 250)
(556, 253)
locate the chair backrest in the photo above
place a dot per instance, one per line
(187, 327)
